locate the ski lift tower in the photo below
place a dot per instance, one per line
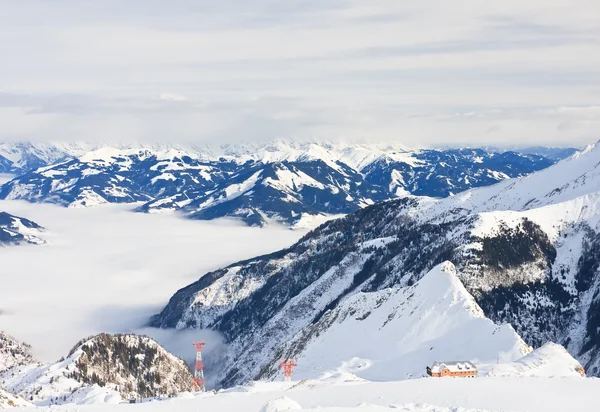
(288, 368)
(199, 383)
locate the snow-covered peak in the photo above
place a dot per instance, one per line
(16, 230)
(355, 155)
(395, 334)
(360, 156)
(108, 155)
(104, 368)
(442, 283)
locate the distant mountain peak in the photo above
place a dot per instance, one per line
(299, 180)
(16, 230)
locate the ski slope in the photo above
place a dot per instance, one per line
(419, 395)
(394, 334)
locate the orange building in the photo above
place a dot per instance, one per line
(461, 369)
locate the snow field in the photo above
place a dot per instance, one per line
(418, 395)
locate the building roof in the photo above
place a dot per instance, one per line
(454, 366)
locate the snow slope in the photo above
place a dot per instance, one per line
(14, 353)
(548, 361)
(395, 334)
(8, 400)
(15, 230)
(572, 178)
(418, 395)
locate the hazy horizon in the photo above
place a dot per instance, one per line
(422, 74)
(125, 144)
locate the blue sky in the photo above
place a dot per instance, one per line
(434, 72)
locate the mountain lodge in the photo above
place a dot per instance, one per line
(462, 369)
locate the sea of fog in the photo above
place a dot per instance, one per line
(107, 269)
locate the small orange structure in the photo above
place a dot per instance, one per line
(461, 369)
(288, 368)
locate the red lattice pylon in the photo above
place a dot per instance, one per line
(199, 383)
(288, 368)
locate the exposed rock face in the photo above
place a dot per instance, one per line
(105, 368)
(136, 364)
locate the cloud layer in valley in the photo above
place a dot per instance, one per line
(107, 269)
(429, 72)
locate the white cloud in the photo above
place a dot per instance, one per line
(172, 97)
(344, 68)
(107, 269)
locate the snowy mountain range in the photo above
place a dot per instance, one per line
(16, 230)
(101, 369)
(282, 181)
(526, 249)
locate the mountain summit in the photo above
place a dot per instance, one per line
(104, 368)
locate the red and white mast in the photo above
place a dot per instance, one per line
(199, 383)
(288, 369)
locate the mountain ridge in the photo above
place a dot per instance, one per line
(15, 230)
(526, 252)
(102, 369)
(295, 180)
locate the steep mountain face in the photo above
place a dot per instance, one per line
(14, 353)
(526, 249)
(104, 368)
(15, 230)
(6, 166)
(284, 192)
(282, 181)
